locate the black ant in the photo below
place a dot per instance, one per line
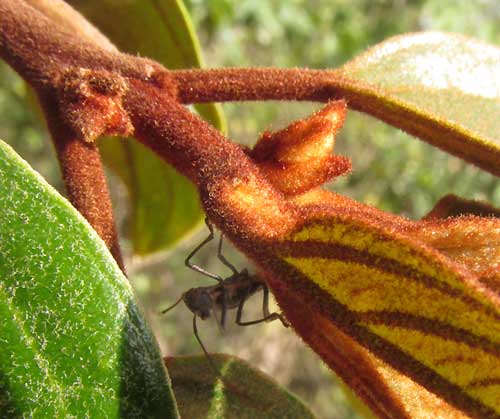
(231, 292)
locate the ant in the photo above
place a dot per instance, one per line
(231, 292)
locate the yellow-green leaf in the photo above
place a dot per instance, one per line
(444, 88)
(165, 206)
(408, 304)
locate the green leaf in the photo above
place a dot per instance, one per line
(243, 392)
(160, 30)
(73, 342)
(443, 88)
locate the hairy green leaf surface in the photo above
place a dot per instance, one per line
(161, 30)
(444, 88)
(72, 341)
(242, 393)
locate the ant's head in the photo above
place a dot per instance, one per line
(199, 302)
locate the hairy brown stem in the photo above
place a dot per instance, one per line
(84, 179)
(190, 144)
(41, 51)
(301, 84)
(238, 84)
(87, 190)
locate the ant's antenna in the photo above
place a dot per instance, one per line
(209, 358)
(172, 306)
(195, 329)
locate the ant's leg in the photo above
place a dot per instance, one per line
(224, 290)
(267, 317)
(265, 308)
(197, 248)
(223, 312)
(265, 300)
(224, 309)
(223, 259)
(209, 358)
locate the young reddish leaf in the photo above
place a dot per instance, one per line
(426, 316)
(351, 267)
(441, 87)
(243, 392)
(299, 157)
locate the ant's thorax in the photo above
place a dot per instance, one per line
(239, 286)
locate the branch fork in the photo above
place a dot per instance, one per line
(314, 248)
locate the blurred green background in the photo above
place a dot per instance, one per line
(391, 170)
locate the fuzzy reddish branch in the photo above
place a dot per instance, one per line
(88, 89)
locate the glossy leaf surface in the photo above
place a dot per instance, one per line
(73, 341)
